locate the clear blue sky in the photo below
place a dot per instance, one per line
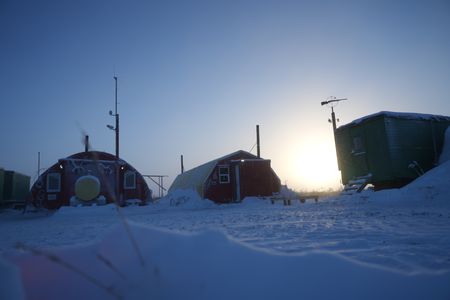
(195, 77)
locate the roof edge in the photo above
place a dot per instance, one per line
(397, 115)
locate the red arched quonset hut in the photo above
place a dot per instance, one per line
(89, 177)
(230, 178)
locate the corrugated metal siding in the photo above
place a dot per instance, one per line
(224, 192)
(377, 154)
(99, 164)
(200, 178)
(343, 151)
(414, 140)
(372, 158)
(16, 186)
(257, 179)
(391, 144)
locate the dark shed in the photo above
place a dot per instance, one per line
(230, 178)
(392, 148)
(89, 177)
(14, 187)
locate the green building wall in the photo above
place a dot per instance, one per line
(16, 186)
(385, 145)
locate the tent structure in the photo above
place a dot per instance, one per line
(230, 178)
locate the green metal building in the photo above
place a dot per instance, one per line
(13, 187)
(390, 148)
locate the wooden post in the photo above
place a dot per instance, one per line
(182, 165)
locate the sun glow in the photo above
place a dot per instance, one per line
(314, 166)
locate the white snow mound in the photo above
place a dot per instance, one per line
(187, 199)
(210, 266)
(10, 282)
(434, 185)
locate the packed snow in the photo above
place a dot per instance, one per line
(392, 244)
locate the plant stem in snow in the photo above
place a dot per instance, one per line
(57, 260)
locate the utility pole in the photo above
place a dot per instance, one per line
(333, 102)
(116, 115)
(182, 164)
(118, 196)
(258, 149)
(117, 122)
(39, 165)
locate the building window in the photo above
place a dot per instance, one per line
(358, 145)
(224, 174)
(129, 180)
(53, 182)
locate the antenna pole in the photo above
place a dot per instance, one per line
(332, 101)
(182, 165)
(258, 150)
(333, 119)
(86, 143)
(39, 164)
(117, 120)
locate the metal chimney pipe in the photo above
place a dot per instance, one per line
(182, 165)
(86, 143)
(258, 150)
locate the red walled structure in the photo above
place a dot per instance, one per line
(230, 178)
(56, 186)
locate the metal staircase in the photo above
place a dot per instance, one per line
(356, 185)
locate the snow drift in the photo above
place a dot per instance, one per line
(208, 266)
(186, 199)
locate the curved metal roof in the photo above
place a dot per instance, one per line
(196, 177)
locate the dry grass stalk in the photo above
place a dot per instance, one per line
(57, 260)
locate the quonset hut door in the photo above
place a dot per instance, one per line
(238, 183)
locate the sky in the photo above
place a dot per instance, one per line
(196, 77)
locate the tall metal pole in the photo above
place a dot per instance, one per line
(333, 101)
(86, 143)
(117, 122)
(258, 150)
(333, 120)
(182, 165)
(39, 164)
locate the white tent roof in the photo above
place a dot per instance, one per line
(196, 177)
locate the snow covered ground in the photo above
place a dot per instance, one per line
(375, 245)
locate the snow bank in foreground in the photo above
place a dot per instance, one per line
(431, 188)
(434, 185)
(209, 266)
(10, 283)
